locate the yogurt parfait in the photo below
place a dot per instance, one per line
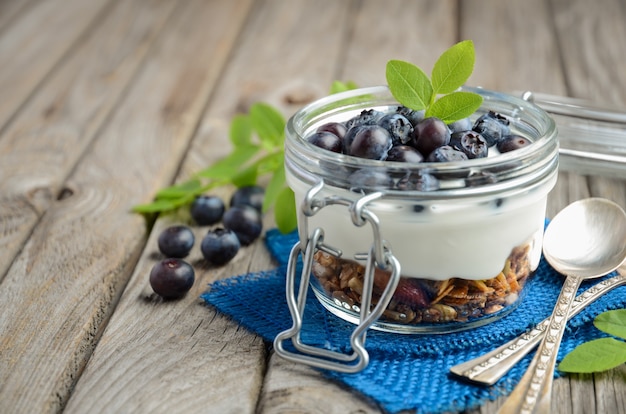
(451, 214)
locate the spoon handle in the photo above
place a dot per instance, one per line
(487, 369)
(534, 389)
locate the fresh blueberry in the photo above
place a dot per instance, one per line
(431, 133)
(219, 246)
(471, 143)
(412, 115)
(404, 153)
(206, 210)
(369, 179)
(419, 181)
(399, 128)
(371, 142)
(446, 153)
(336, 128)
(327, 141)
(245, 221)
(248, 196)
(512, 142)
(176, 241)
(492, 126)
(366, 117)
(171, 278)
(460, 125)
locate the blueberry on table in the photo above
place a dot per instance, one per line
(327, 141)
(171, 278)
(176, 241)
(219, 246)
(371, 142)
(245, 221)
(206, 210)
(512, 142)
(251, 195)
(431, 133)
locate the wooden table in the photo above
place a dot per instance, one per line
(102, 102)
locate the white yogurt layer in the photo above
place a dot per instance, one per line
(468, 238)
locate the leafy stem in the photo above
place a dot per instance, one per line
(412, 87)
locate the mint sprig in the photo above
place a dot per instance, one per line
(412, 87)
(258, 150)
(600, 354)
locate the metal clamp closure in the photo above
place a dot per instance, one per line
(379, 256)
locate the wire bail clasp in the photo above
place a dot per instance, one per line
(379, 256)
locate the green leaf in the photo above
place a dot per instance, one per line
(246, 177)
(409, 84)
(612, 322)
(179, 190)
(453, 67)
(229, 166)
(285, 211)
(338, 86)
(274, 187)
(455, 106)
(157, 206)
(595, 356)
(241, 131)
(269, 124)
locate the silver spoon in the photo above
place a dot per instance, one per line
(587, 239)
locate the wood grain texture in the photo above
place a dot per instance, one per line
(42, 145)
(75, 281)
(32, 45)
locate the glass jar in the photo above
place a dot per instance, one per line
(436, 260)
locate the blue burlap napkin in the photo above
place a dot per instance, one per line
(405, 372)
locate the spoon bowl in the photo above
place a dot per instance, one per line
(587, 239)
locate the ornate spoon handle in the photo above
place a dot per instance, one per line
(490, 367)
(534, 389)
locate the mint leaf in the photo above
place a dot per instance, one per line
(230, 165)
(240, 131)
(612, 322)
(274, 187)
(455, 106)
(595, 356)
(409, 84)
(269, 125)
(179, 190)
(453, 67)
(285, 211)
(156, 206)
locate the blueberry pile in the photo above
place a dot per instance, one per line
(405, 135)
(242, 224)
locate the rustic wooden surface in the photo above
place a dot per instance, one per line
(105, 101)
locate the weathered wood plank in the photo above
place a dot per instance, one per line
(10, 11)
(201, 355)
(36, 42)
(53, 129)
(63, 286)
